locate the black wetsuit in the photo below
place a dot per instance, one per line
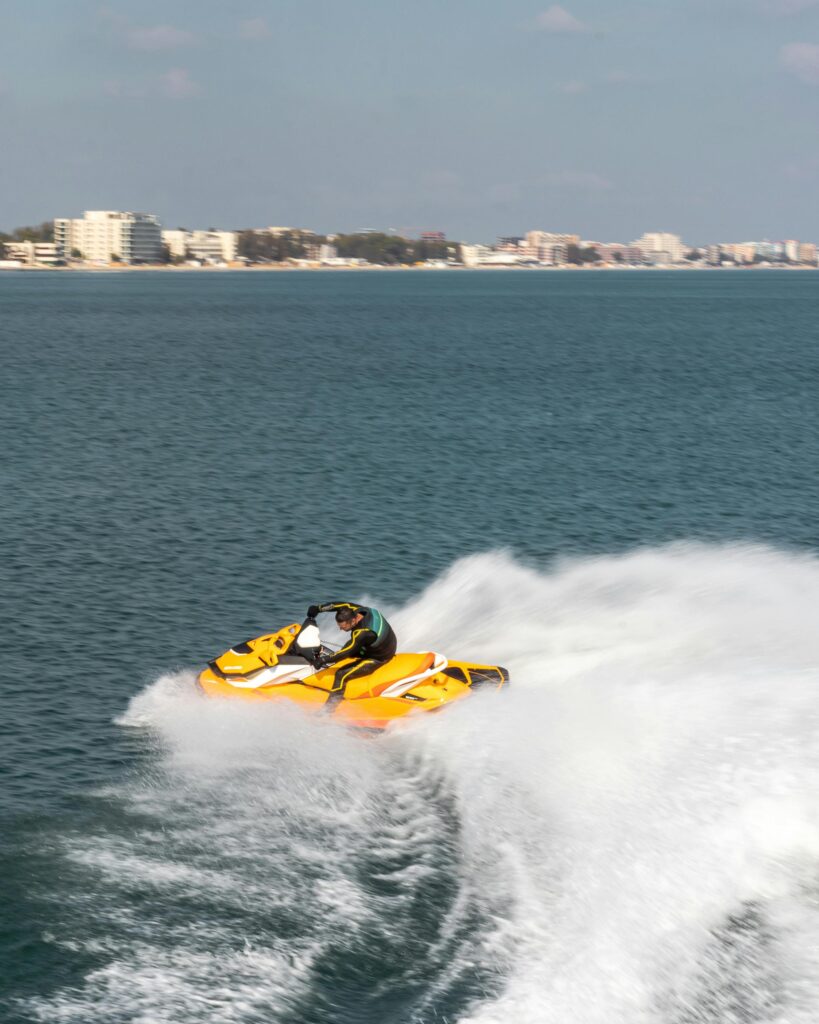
(372, 642)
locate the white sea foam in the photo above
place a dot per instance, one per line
(635, 822)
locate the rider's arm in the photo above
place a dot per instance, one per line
(356, 646)
(334, 606)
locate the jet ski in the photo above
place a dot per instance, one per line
(281, 666)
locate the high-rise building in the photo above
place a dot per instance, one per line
(103, 236)
(745, 252)
(509, 243)
(616, 252)
(549, 246)
(662, 247)
(807, 253)
(768, 251)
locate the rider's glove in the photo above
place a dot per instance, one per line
(313, 611)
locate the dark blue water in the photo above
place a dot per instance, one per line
(191, 459)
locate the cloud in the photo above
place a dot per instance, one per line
(577, 86)
(573, 88)
(118, 89)
(159, 37)
(783, 8)
(802, 60)
(558, 19)
(254, 28)
(586, 180)
(178, 84)
(107, 13)
(623, 78)
(802, 170)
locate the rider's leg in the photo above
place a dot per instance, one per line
(348, 672)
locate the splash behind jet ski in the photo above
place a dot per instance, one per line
(280, 666)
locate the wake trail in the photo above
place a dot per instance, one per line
(629, 834)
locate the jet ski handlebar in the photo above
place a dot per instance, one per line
(308, 642)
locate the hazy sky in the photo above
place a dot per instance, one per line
(477, 117)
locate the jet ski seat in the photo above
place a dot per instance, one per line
(400, 666)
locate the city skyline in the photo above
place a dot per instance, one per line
(740, 240)
(116, 237)
(471, 117)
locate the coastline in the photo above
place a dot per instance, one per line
(285, 268)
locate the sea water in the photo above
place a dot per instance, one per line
(606, 482)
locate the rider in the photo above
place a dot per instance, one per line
(371, 643)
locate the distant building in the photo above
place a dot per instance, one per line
(549, 246)
(207, 246)
(769, 251)
(740, 253)
(278, 231)
(744, 252)
(433, 236)
(476, 255)
(791, 250)
(510, 243)
(101, 236)
(616, 252)
(807, 253)
(501, 259)
(327, 252)
(514, 246)
(33, 254)
(661, 247)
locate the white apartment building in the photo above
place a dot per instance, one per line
(617, 252)
(485, 256)
(476, 255)
(549, 246)
(661, 247)
(209, 246)
(769, 250)
(278, 230)
(33, 254)
(103, 236)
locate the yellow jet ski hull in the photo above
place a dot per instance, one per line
(267, 669)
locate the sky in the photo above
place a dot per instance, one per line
(479, 118)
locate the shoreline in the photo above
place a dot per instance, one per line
(276, 268)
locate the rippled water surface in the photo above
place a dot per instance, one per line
(607, 482)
